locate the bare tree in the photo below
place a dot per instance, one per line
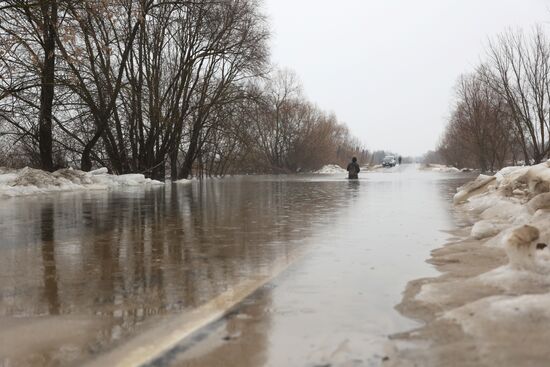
(480, 130)
(286, 133)
(519, 70)
(29, 30)
(145, 85)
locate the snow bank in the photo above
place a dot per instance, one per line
(29, 181)
(513, 213)
(183, 181)
(472, 188)
(331, 169)
(438, 168)
(514, 206)
(486, 228)
(507, 330)
(494, 282)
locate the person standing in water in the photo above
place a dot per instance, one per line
(353, 169)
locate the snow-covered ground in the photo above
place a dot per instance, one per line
(29, 181)
(502, 293)
(495, 278)
(437, 168)
(331, 169)
(513, 207)
(185, 181)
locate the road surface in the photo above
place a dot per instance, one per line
(246, 271)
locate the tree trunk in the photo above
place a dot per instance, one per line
(187, 166)
(191, 154)
(159, 172)
(45, 139)
(174, 165)
(86, 160)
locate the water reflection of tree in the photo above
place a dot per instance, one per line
(47, 238)
(156, 251)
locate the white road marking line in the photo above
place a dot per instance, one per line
(154, 342)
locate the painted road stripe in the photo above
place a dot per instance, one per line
(152, 343)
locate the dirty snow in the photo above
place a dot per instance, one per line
(184, 181)
(512, 210)
(29, 181)
(331, 169)
(438, 168)
(513, 206)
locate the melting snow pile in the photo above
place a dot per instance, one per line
(438, 168)
(331, 169)
(513, 206)
(29, 181)
(184, 181)
(511, 301)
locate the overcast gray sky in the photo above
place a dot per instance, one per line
(387, 67)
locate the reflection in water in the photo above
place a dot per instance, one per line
(81, 272)
(112, 260)
(48, 258)
(353, 187)
(335, 306)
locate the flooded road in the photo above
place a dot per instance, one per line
(82, 273)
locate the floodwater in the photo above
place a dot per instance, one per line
(82, 273)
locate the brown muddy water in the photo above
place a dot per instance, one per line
(83, 273)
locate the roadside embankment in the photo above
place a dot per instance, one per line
(491, 304)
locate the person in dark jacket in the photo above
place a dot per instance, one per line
(353, 169)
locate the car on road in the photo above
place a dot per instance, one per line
(389, 161)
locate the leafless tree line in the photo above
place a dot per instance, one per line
(502, 111)
(286, 133)
(153, 85)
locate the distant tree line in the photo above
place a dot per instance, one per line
(502, 110)
(164, 88)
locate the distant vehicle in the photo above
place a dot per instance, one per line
(389, 161)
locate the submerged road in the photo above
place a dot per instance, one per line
(259, 271)
(335, 305)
